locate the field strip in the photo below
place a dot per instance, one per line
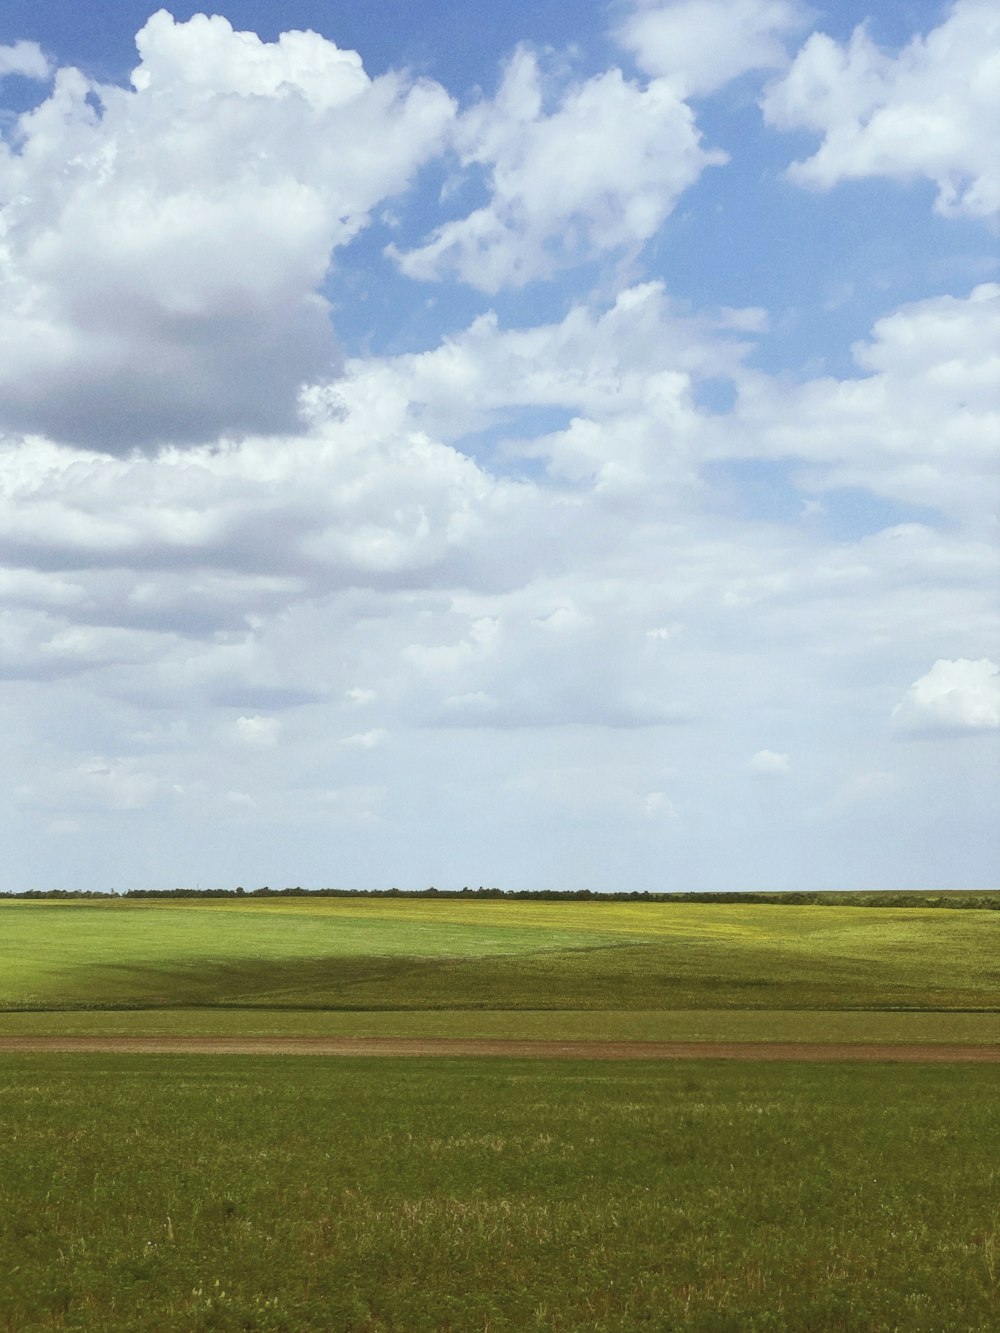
(924, 1053)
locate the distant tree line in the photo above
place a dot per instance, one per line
(980, 899)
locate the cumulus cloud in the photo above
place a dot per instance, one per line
(24, 58)
(367, 558)
(954, 696)
(162, 245)
(541, 659)
(921, 425)
(658, 805)
(50, 643)
(770, 763)
(222, 535)
(637, 357)
(929, 112)
(602, 170)
(700, 45)
(256, 732)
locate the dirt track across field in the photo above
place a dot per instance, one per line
(548, 1050)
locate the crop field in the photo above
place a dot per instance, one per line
(287, 1192)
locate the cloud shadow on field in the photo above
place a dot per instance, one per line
(682, 973)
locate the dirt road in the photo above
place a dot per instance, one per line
(549, 1050)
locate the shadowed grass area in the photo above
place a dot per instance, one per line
(40, 941)
(181, 1193)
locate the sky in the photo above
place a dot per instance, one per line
(545, 447)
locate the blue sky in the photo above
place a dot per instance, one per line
(555, 451)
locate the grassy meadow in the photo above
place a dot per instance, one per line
(300, 956)
(185, 1193)
(164, 1193)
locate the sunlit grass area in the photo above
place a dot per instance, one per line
(186, 1193)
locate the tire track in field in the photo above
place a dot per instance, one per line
(924, 1053)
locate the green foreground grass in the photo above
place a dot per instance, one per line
(370, 956)
(181, 1193)
(169, 1193)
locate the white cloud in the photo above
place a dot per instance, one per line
(658, 805)
(256, 732)
(601, 171)
(700, 45)
(241, 799)
(365, 740)
(24, 58)
(45, 642)
(639, 356)
(931, 111)
(97, 783)
(33, 587)
(566, 619)
(289, 570)
(221, 536)
(749, 319)
(921, 425)
(770, 763)
(359, 696)
(161, 254)
(664, 632)
(954, 696)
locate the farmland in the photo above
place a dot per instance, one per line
(279, 1193)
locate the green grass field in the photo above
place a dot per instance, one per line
(287, 1193)
(523, 960)
(186, 1193)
